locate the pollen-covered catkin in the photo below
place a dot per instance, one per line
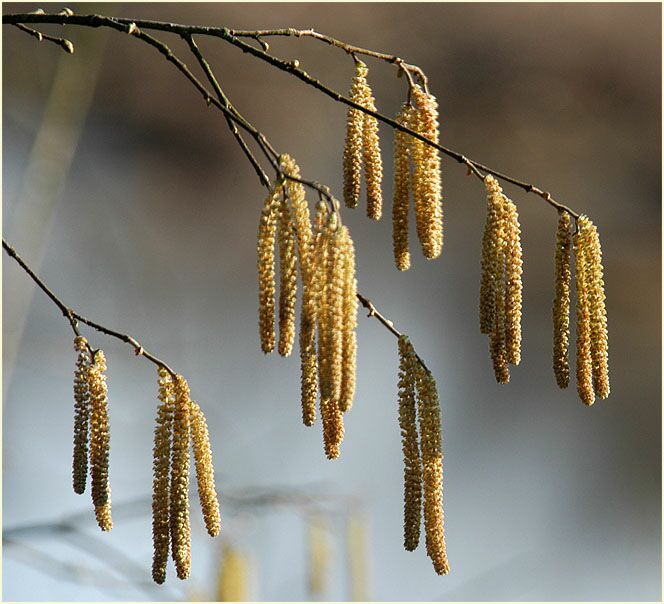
(161, 472)
(400, 200)
(584, 380)
(349, 321)
(373, 163)
(207, 491)
(354, 136)
(266, 275)
(432, 469)
(561, 302)
(491, 247)
(287, 279)
(427, 182)
(99, 441)
(412, 471)
(513, 284)
(179, 515)
(81, 416)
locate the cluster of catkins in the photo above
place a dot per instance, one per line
(501, 285)
(329, 299)
(592, 344)
(416, 167)
(91, 430)
(180, 422)
(423, 456)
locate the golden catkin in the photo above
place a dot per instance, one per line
(179, 499)
(99, 441)
(427, 182)
(266, 281)
(81, 416)
(599, 340)
(584, 380)
(358, 546)
(400, 201)
(373, 163)
(287, 279)
(349, 322)
(333, 427)
(513, 284)
(207, 491)
(352, 161)
(319, 556)
(161, 471)
(432, 469)
(412, 471)
(561, 302)
(233, 582)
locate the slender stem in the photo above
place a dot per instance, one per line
(66, 45)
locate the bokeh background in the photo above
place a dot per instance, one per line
(132, 200)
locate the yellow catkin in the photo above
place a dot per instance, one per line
(233, 582)
(513, 284)
(427, 182)
(584, 380)
(99, 441)
(319, 556)
(161, 470)
(372, 161)
(352, 161)
(599, 340)
(287, 279)
(81, 416)
(400, 201)
(491, 247)
(412, 471)
(561, 302)
(432, 469)
(179, 494)
(358, 545)
(266, 281)
(207, 491)
(349, 322)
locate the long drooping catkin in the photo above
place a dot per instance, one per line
(179, 516)
(432, 469)
(81, 415)
(373, 163)
(287, 279)
(349, 322)
(513, 284)
(266, 283)
(99, 441)
(491, 249)
(427, 187)
(584, 380)
(354, 137)
(412, 471)
(561, 302)
(599, 341)
(400, 200)
(161, 471)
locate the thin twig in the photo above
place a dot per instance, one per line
(63, 43)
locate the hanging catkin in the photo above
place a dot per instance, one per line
(561, 302)
(207, 491)
(179, 515)
(81, 415)
(513, 284)
(99, 441)
(266, 282)
(400, 201)
(287, 278)
(161, 471)
(410, 444)
(373, 163)
(584, 380)
(349, 322)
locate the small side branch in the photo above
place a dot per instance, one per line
(63, 43)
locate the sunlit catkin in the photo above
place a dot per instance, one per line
(400, 200)
(584, 364)
(99, 441)
(561, 302)
(373, 163)
(432, 469)
(233, 581)
(412, 472)
(161, 472)
(266, 281)
(354, 136)
(287, 279)
(492, 269)
(513, 284)
(179, 515)
(319, 556)
(427, 182)
(81, 416)
(349, 322)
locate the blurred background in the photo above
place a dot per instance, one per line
(134, 203)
